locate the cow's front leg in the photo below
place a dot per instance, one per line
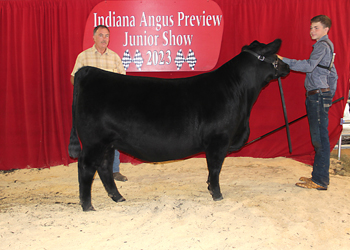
(106, 174)
(215, 154)
(85, 175)
(213, 181)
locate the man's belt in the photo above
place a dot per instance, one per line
(316, 91)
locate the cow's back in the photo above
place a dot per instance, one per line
(151, 118)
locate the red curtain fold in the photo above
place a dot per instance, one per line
(41, 39)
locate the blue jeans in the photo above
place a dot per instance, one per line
(116, 161)
(317, 107)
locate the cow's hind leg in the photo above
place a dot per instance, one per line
(86, 174)
(105, 172)
(215, 154)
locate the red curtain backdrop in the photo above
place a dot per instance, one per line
(40, 40)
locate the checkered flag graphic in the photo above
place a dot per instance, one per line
(191, 59)
(179, 59)
(127, 60)
(138, 60)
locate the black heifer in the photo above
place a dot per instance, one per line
(157, 119)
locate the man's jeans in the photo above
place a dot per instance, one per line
(317, 107)
(116, 161)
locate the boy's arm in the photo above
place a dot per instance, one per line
(307, 66)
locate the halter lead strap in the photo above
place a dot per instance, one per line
(261, 57)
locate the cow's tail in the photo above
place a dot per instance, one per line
(74, 147)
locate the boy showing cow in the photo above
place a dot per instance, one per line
(320, 84)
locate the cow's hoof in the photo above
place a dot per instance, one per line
(118, 199)
(121, 199)
(219, 198)
(88, 208)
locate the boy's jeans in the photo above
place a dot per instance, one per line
(317, 107)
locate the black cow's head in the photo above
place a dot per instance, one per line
(268, 61)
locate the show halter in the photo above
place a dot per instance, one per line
(262, 58)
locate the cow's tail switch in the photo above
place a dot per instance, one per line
(74, 147)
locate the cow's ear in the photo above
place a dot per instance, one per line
(253, 45)
(272, 48)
